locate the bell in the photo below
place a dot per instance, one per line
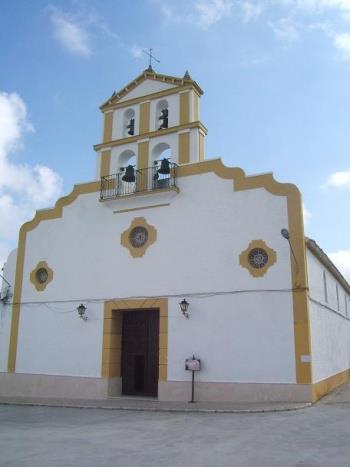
(129, 174)
(164, 167)
(131, 126)
(164, 119)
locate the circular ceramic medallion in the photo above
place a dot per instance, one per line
(42, 275)
(138, 237)
(258, 258)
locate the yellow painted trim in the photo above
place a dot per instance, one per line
(112, 105)
(321, 388)
(33, 276)
(179, 83)
(144, 117)
(107, 126)
(142, 163)
(141, 208)
(195, 106)
(240, 182)
(184, 108)
(244, 258)
(184, 148)
(143, 155)
(302, 342)
(125, 237)
(201, 146)
(47, 214)
(151, 134)
(105, 163)
(112, 334)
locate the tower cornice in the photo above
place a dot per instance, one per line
(151, 134)
(179, 83)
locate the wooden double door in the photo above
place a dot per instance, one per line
(140, 352)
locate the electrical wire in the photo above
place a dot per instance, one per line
(152, 297)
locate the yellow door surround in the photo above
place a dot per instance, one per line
(112, 334)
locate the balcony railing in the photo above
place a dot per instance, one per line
(145, 180)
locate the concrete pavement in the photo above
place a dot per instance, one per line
(55, 437)
(148, 434)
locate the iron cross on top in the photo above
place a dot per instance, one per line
(151, 57)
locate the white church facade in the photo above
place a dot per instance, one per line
(91, 303)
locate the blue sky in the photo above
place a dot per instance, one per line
(276, 77)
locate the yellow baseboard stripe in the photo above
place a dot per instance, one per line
(321, 388)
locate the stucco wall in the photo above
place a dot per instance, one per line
(329, 323)
(245, 334)
(148, 86)
(6, 309)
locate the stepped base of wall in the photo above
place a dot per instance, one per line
(67, 387)
(75, 387)
(234, 392)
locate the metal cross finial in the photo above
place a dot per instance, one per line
(151, 57)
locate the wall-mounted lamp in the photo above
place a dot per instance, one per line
(184, 307)
(285, 234)
(81, 311)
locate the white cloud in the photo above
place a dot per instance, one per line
(70, 34)
(251, 11)
(317, 5)
(285, 29)
(307, 215)
(211, 11)
(341, 259)
(198, 13)
(339, 180)
(333, 28)
(22, 188)
(342, 43)
(136, 51)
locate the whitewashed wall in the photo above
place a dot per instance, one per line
(148, 86)
(240, 337)
(9, 273)
(329, 324)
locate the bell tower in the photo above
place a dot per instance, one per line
(154, 117)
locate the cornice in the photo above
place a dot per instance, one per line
(112, 105)
(151, 134)
(325, 260)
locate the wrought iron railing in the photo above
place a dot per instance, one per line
(143, 180)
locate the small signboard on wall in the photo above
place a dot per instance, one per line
(193, 364)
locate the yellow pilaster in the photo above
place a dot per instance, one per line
(13, 339)
(144, 117)
(142, 156)
(107, 127)
(105, 162)
(195, 107)
(184, 108)
(143, 163)
(184, 148)
(201, 146)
